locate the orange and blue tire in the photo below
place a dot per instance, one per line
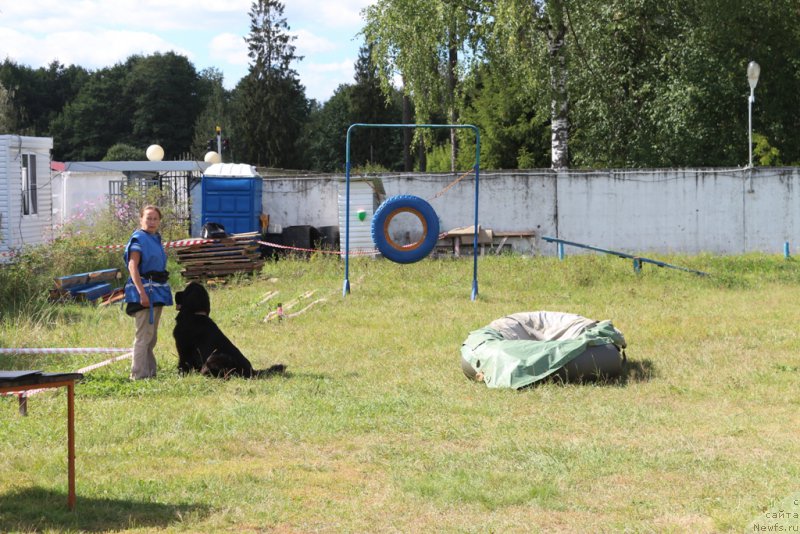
(413, 252)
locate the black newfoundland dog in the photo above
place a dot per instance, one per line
(201, 344)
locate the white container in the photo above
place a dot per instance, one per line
(362, 197)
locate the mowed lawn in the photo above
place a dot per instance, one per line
(375, 428)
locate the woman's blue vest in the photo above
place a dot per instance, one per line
(153, 260)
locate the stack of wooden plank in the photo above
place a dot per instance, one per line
(84, 286)
(238, 253)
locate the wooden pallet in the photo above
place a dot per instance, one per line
(238, 253)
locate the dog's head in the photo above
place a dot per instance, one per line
(193, 299)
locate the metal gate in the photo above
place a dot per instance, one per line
(173, 190)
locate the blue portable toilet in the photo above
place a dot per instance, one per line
(231, 194)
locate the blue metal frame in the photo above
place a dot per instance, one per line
(346, 287)
(637, 260)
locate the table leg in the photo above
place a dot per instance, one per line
(71, 445)
(23, 404)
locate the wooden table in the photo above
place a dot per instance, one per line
(486, 236)
(29, 381)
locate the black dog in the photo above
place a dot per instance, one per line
(201, 344)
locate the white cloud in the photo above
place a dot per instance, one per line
(89, 49)
(309, 43)
(100, 33)
(145, 15)
(321, 79)
(331, 14)
(230, 48)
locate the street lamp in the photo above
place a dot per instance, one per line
(155, 153)
(753, 70)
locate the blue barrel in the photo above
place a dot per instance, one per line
(235, 203)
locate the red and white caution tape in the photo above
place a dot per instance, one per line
(171, 244)
(62, 350)
(322, 251)
(187, 243)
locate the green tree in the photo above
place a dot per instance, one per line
(270, 106)
(514, 126)
(531, 39)
(8, 115)
(163, 93)
(40, 94)
(360, 102)
(326, 131)
(216, 112)
(142, 101)
(124, 152)
(369, 105)
(97, 118)
(425, 42)
(662, 83)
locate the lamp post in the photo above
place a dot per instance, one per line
(753, 70)
(154, 153)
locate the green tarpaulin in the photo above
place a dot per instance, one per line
(517, 362)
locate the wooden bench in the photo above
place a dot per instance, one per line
(454, 239)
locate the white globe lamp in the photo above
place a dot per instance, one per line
(212, 157)
(155, 153)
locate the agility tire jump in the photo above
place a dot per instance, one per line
(413, 252)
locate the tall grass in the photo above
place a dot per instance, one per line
(24, 283)
(375, 428)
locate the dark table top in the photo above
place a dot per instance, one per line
(34, 378)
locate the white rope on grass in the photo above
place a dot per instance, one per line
(105, 362)
(30, 392)
(61, 350)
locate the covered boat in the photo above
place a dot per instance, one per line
(519, 349)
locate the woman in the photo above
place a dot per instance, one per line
(147, 290)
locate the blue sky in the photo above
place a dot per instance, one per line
(100, 33)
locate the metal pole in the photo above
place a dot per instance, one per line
(346, 287)
(750, 127)
(477, 168)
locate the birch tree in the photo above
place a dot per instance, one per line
(533, 33)
(425, 43)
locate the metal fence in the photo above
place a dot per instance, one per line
(173, 190)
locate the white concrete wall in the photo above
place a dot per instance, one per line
(5, 200)
(301, 200)
(722, 211)
(669, 211)
(771, 214)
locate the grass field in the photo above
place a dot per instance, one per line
(375, 428)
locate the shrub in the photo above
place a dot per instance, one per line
(25, 283)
